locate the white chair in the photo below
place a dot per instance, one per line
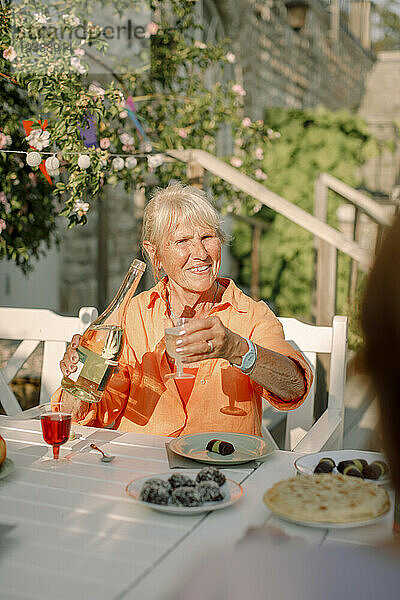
(34, 326)
(302, 434)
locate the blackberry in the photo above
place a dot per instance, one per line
(186, 496)
(154, 493)
(181, 480)
(210, 491)
(211, 474)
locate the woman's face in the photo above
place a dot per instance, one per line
(191, 256)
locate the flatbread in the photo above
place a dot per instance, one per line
(327, 498)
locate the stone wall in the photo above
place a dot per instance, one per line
(381, 109)
(283, 67)
(78, 285)
(97, 256)
(278, 67)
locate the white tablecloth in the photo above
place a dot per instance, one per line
(78, 534)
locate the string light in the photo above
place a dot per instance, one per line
(130, 162)
(52, 163)
(52, 166)
(84, 161)
(34, 158)
(154, 160)
(64, 153)
(118, 163)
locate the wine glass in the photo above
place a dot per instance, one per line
(233, 410)
(56, 427)
(171, 336)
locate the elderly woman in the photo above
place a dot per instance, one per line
(233, 345)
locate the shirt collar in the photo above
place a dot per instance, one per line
(159, 291)
(231, 296)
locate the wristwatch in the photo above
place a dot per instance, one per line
(249, 359)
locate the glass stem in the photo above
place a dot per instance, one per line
(179, 367)
(56, 452)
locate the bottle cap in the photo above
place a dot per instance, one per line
(138, 264)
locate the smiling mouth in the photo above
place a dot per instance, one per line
(202, 269)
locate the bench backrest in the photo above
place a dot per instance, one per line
(31, 327)
(313, 340)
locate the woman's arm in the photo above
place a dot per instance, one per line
(273, 371)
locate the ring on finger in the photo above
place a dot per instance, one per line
(210, 345)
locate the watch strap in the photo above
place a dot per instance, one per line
(249, 359)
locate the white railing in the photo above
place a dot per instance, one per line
(326, 266)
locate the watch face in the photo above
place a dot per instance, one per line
(249, 358)
(248, 361)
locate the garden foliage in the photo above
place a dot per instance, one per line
(312, 141)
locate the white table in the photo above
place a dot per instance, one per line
(78, 534)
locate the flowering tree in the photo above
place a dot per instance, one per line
(27, 210)
(108, 134)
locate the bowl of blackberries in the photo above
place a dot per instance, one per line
(185, 493)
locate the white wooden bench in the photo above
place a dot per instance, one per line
(31, 327)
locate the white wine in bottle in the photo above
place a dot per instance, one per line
(101, 344)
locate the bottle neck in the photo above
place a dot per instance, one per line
(115, 313)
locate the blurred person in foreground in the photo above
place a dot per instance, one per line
(267, 565)
(183, 239)
(381, 325)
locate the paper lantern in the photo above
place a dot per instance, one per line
(52, 163)
(118, 163)
(33, 159)
(84, 161)
(53, 172)
(155, 161)
(130, 162)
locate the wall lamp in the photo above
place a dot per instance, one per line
(297, 13)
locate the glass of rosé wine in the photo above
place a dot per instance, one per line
(56, 427)
(171, 337)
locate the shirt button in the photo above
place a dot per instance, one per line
(203, 381)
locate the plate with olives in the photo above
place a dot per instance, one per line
(371, 466)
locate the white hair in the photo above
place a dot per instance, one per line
(177, 204)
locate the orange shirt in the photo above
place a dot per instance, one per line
(185, 386)
(139, 398)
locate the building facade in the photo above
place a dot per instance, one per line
(322, 63)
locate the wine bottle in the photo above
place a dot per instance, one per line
(101, 344)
